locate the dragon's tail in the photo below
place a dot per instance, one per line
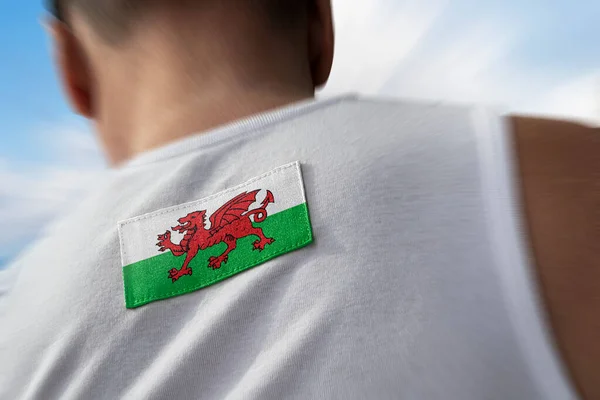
(260, 214)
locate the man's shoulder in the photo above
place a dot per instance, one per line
(559, 164)
(554, 131)
(403, 107)
(396, 122)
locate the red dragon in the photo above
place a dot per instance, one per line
(228, 224)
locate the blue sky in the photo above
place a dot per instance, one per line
(525, 55)
(38, 133)
(30, 94)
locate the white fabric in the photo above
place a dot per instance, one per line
(416, 286)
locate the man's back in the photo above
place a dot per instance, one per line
(416, 284)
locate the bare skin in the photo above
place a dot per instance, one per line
(560, 178)
(171, 84)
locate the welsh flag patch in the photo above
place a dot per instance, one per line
(181, 249)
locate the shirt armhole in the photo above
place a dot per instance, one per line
(512, 257)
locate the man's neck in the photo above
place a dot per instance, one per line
(160, 125)
(172, 87)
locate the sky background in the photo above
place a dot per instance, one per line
(528, 56)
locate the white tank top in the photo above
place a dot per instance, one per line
(417, 284)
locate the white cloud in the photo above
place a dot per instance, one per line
(458, 70)
(407, 51)
(374, 37)
(575, 98)
(32, 195)
(70, 143)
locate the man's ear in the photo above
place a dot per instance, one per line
(320, 40)
(72, 66)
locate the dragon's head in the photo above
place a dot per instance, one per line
(192, 221)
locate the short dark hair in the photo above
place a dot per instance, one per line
(113, 18)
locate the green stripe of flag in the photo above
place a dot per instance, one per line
(148, 280)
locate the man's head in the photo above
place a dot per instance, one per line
(121, 59)
(113, 19)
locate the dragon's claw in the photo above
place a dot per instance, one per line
(165, 236)
(163, 240)
(175, 274)
(215, 262)
(261, 244)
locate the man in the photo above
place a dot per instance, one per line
(251, 243)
